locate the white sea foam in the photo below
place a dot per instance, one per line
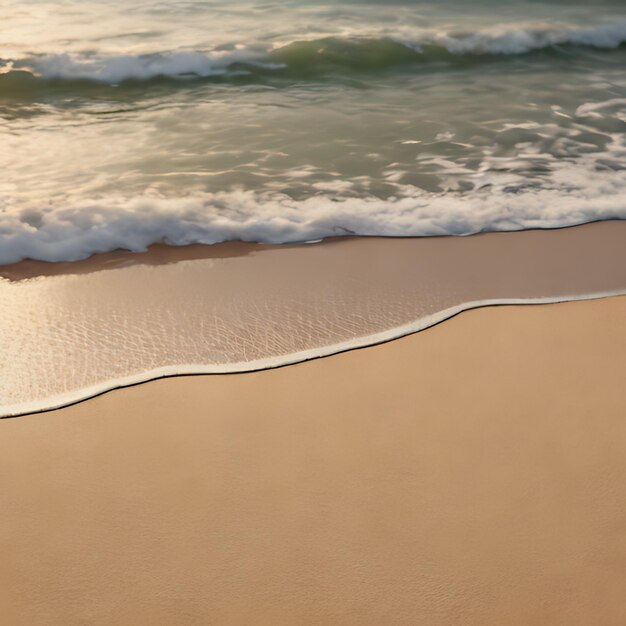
(577, 192)
(127, 67)
(508, 40)
(594, 108)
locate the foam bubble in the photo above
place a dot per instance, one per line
(587, 189)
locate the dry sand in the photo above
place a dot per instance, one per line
(473, 473)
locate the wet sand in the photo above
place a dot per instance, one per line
(472, 473)
(118, 319)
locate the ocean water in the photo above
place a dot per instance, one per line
(125, 123)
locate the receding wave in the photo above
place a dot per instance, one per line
(256, 308)
(366, 52)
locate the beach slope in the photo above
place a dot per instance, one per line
(469, 474)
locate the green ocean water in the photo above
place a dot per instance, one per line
(127, 123)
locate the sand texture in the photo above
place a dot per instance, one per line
(470, 474)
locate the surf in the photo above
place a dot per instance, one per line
(365, 52)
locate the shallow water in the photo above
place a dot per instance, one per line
(123, 124)
(70, 336)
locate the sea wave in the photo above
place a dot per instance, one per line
(365, 51)
(585, 190)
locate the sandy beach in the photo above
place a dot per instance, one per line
(313, 313)
(472, 473)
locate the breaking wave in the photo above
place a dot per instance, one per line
(79, 227)
(363, 51)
